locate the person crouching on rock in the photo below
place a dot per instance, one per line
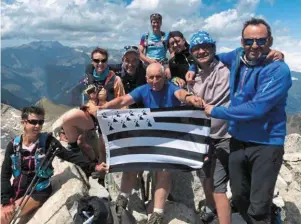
(24, 158)
(83, 122)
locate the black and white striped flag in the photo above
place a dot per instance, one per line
(149, 139)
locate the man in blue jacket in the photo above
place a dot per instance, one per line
(257, 121)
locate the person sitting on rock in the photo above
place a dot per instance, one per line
(24, 158)
(151, 95)
(131, 70)
(100, 76)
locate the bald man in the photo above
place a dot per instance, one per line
(157, 93)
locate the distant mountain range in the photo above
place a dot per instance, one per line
(49, 69)
(43, 69)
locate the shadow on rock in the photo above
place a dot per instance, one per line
(293, 215)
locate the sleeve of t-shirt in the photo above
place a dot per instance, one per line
(173, 87)
(136, 94)
(142, 41)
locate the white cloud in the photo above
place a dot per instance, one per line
(113, 24)
(291, 50)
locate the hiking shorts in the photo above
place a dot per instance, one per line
(217, 166)
(40, 196)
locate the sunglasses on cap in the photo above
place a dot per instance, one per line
(131, 47)
(90, 89)
(155, 16)
(259, 41)
(99, 60)
(35, 122)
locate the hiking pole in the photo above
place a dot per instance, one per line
(32, 185)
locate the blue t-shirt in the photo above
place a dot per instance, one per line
(156, 49)
(156, 99)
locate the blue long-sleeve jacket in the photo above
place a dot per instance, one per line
(258, 99)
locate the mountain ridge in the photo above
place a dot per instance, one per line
(48, 69)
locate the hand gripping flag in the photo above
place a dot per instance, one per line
(152, 139)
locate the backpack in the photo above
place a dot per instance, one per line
(92, 210)
(162, 40)
(39, 156)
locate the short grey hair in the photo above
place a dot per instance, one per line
(162, 70)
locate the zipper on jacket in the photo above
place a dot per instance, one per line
(243, 79)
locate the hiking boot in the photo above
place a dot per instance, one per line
(155, 218)
(121, 203)
(207, 217)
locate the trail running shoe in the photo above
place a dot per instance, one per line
(121, 203)
(155, 218)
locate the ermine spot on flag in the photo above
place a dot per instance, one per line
(151, 139)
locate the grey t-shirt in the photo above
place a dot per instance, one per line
(214, 89)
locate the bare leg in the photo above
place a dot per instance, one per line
(223, 208)
(101, 150)
(30, 206)
(128, 182)
(163, 183)
(208, 190)
(75, 122)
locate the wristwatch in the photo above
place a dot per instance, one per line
(188, 94)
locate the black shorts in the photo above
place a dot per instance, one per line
(40, 196)
(217, 166)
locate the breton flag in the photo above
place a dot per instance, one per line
(152, 139)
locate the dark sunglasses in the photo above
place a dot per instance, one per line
(155, 16)
(131, 47)
(35, 122)
(259, 41)
(99, 60)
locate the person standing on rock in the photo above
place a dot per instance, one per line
(257, 121)
(212, 84)
(24, 158)
(152, 46)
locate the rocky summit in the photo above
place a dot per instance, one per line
(70, 184)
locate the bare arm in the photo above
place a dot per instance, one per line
(181, 94)
(119, 102)
(185, 97)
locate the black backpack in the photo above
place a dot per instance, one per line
(95, 210)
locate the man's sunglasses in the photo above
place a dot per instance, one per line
(99, 60)
(131, 47)
(35, 122)
(259, 41)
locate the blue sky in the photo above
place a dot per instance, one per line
(115, 23)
